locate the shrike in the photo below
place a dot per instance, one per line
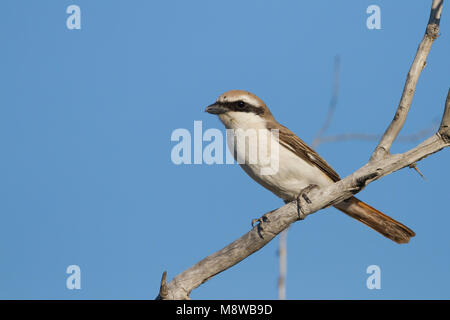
(299, 166)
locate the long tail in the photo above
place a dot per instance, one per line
(378, 221)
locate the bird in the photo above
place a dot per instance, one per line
(299, 167)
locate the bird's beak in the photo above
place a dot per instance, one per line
(216, 108)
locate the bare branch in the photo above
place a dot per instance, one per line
(431, 34)
(444, 129)
(414, 166)
(163, 290)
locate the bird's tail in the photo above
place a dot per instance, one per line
(375, 219)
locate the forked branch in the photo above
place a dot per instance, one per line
(419, 63)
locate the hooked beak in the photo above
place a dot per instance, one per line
(216, 108)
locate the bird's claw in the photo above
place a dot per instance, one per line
(303, 195)
(261, 220)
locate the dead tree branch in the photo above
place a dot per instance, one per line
(419, 63)
(381, 164)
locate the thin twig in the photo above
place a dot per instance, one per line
(444, 130)
(414, 166)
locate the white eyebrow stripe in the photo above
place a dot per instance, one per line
(243, 97)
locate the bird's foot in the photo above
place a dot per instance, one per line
(261, 220)
(303, 196)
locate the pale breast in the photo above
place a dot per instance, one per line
(272, 165)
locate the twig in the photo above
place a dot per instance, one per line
(414, 166)
(444, 130)
(163, 290)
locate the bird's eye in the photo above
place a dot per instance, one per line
(241, 104)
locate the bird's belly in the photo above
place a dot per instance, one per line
(287, 177)
(293, 175)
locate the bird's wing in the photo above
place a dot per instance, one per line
(290, 141)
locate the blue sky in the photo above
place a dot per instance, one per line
(86, 117)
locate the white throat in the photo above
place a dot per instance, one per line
(242, 120)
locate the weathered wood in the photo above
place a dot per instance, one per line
(444, 130)
(419, 63)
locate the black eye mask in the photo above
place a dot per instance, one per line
(241, 106)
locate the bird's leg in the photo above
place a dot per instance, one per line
(303, 195)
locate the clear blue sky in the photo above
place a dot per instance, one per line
(86, 117)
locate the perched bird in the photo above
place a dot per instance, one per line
(298, 167)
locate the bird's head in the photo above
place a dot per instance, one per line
(238, 108)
